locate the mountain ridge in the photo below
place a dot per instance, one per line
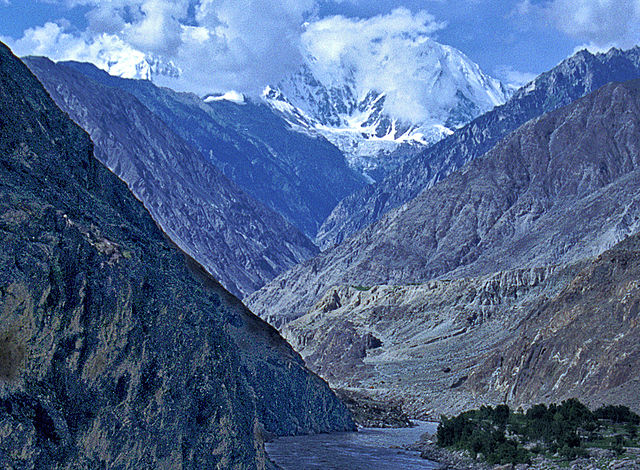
(239, 241)
(299, 176)
(571, 79)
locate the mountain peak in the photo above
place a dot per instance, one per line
(369, 113)
(571, 79)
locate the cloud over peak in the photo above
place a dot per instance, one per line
(394, 54)
(217, 44)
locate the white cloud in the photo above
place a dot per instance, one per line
(523, 7)
(218, 44)
(512, 77)
(106, 51)
(600, 24)
(242, 44)
(390, 53)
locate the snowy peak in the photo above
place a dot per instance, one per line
(371, 111)
(140, 66)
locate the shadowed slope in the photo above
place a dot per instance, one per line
(241, 242)
(112, 353)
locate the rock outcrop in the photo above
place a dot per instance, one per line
(563, 187)
(575, 77)
(112, 353)
(582, 343)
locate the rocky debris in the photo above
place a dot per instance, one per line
(575, 77)
(368, 412)
(115, 353)
(563, 187)
(239, 241)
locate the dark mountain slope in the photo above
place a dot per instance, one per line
(570, 80)
(300, 176)
(584, 342)
(241, 242)
(561, 188)
(112, 354)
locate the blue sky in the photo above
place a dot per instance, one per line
(248, 42)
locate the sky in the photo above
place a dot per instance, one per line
(243, 45)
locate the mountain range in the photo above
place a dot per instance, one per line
(573, 78)
(170, 147)
(554, 191)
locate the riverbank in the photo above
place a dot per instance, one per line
(598, 459)
(368, 412)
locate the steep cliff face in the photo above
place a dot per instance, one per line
(561, 188)
(241, 242)
(570, 80)
(300, 176)
(112, 354)
(583, 342)
(416, 345)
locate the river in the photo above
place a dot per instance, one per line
(367, 449)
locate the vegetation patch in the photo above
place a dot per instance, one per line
(362, 288)
(561, 432)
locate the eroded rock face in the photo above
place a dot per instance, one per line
(417, 345)
(561, 188)
(113, 354)
(583, 342)
(518, 337)
(242, 243)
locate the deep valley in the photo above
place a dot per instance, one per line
(325, 270)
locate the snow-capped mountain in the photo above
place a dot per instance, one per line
(139, 66)
(370, 125)
(377, 101)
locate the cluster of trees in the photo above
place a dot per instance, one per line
(483, 433)
(498, 435)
